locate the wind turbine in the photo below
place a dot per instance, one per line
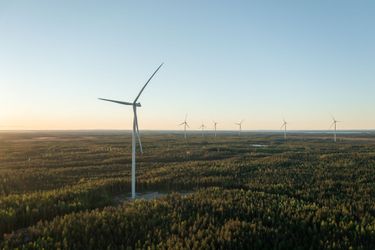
(215, 124)
(135, 132)
(240, 127)
(202, 127)
(284, 125)
(185, 125)
(334, 124)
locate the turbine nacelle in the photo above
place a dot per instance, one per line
(284, 124)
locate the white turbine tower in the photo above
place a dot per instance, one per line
(284, 126)
(185, 125)
(334, 125)
(202, 127)
(239, 127)
(135, 132)
(215, 125)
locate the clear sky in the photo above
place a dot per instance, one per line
(224, 60)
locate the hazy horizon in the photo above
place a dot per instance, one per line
(195, 131)
(259, 61)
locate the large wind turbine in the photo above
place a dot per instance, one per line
(202, 127)
(284, 126)
(185, 125)
(239, 127)
(135, 132)
(215, 124)
(334, 124)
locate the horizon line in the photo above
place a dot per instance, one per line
(175, 130)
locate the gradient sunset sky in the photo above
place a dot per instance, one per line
(224, 60)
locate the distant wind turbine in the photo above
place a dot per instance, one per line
(284, 126)
(215, 125)
(334, 125)
(135, 132)
(202, 127)
(239, 127)
(185, 125)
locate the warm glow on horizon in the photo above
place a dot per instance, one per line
(223, 62)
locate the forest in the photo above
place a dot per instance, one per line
(70, 190)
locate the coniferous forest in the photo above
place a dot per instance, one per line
(70, 190)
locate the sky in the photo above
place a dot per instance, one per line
(260, 61)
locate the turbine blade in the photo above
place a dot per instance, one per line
(119, 102)
(182, 123)
(147, 82)
(187, 125)
(137, 131)
(185, 117)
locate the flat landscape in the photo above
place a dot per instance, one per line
(70, 190)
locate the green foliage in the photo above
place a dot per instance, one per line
(211, 218)
(20, 210)
(62, 191)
